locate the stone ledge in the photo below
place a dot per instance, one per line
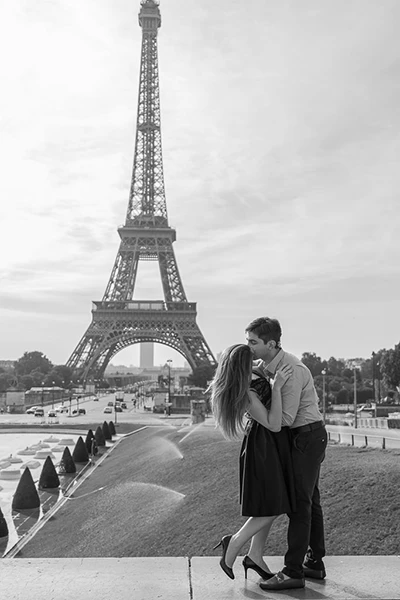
(181, 578)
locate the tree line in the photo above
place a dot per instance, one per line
(380, 372)
(34, 369)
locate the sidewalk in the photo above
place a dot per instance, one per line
(180, 578)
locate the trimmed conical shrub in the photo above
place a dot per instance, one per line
(80, 453)
(3, 525)
(88, 441)
(106, 431)
(26, 495)
(99, 437)
(48, 477)
(111, 428)
(67, 464)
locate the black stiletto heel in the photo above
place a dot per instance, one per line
(225, 543)
(250, 564)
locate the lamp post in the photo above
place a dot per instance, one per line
(169, 386)
(42, 394)
(355, 396)
(323, 373)
(379, 380)
(52, 395)
(373, 376)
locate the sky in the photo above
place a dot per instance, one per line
(280, 132)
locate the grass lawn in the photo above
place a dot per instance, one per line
(159, 504)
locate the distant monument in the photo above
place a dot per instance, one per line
(146, 355)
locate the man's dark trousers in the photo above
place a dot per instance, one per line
(306, 525)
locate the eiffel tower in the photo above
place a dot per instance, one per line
(118, 320)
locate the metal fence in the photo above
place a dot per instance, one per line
(361, 440)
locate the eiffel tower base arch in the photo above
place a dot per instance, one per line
(116, 327)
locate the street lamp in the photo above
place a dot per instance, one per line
(379, 381)
(355, 369)
(323, 373)
(169, 386)
(373, 376)
(52, 395)
(42, 394)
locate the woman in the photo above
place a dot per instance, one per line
(266, 475)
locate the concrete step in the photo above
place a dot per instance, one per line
(181, 578)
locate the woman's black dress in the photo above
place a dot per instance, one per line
(266, 471)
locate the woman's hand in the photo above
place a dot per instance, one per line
(281, 376)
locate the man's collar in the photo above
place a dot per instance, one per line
(271, 367)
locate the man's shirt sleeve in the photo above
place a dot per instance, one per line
(291, 393)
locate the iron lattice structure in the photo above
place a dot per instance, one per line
(119, 321)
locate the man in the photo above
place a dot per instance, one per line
(306, 546)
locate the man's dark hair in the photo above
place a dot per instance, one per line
(266, 329)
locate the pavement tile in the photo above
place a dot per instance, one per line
(348, 578)
(139, 578)
(178, 578)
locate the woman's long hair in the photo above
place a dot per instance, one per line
(230, 389)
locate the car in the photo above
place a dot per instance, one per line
(39, 412)
(31, 410)
(108, 409)
(110, 404)
(118, 409)
(123, 405)
(82, 411)
(95, 399)
(52, 414)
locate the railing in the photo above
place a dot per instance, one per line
(361, 440)
(155, 305)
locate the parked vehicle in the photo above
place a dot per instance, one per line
(52, 414)
(123, 405)
(31, 410)
(110, 404)
(108, 409)
(39, 412)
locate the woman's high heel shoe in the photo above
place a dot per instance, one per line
(225, 543)
(250, 564)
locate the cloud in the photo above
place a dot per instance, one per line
(279, 125)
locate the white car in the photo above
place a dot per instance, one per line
(108, 409)
(52, 414)
(31, 410)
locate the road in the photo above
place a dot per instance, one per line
(95, 414)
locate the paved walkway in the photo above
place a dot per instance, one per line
(180, 578)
